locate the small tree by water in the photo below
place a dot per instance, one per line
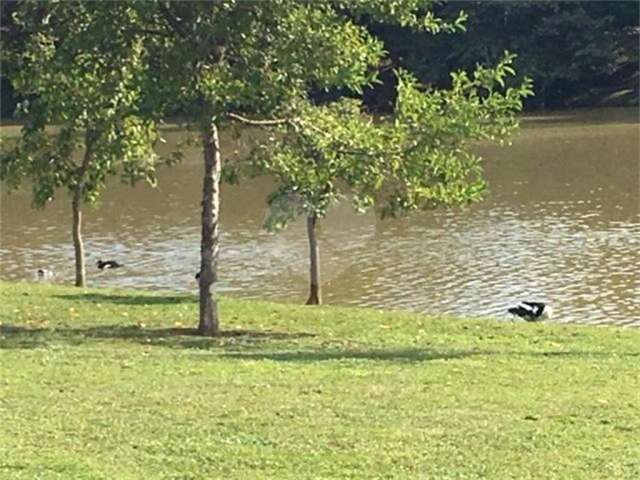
(82, 90)
(418, 159)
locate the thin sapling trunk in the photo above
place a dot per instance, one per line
(315, 297)
(76, 204)
(78, 246)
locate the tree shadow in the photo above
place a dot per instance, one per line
(570, 353)
(409, 355)
(236, 344)
(140, 300)
(256, 345)
(18, 337)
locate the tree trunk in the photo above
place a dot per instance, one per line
(210, 240)
(78, 246)
(76, 203)
(314, 262)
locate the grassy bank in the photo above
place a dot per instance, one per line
(111, 384)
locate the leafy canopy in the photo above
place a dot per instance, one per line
(114, 70)
(211, 58)
(86, 80)
(421, 158)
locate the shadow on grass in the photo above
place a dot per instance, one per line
(231, 344)
(411, 354)
(258, 344)
(589, 354)
(17, 337)
(320, 355)
(140, 300)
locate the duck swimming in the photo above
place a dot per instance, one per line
(108, 264)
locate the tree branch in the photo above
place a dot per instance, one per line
(300, 125)
(262, 123)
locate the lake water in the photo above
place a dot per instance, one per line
(561, 224)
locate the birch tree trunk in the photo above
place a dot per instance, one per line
(210, 233)
(314, 262)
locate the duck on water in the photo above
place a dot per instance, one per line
(532, 311)
(108, 264)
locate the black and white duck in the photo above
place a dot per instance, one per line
(532, 311)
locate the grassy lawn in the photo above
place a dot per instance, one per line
(112, 384)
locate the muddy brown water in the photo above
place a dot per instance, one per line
(561, 224)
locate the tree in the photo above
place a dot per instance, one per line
(62, 63)
(312, 157)
(213, 59)
(419, 159)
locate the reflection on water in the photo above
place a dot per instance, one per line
(561, 224)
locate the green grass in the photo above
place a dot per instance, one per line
(112, 384)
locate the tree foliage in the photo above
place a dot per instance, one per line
(213, 60)
(82, 88)
(418, 158)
